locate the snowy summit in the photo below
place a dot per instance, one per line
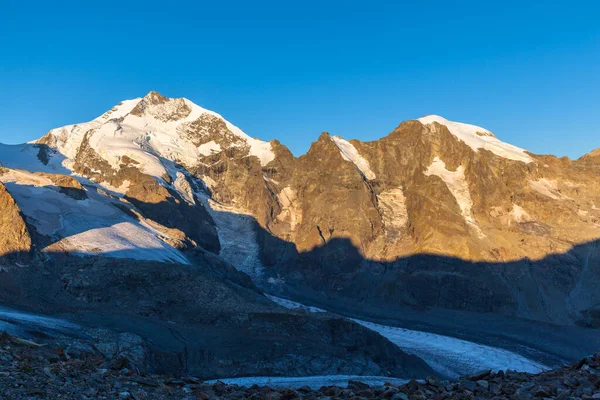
(479, 138)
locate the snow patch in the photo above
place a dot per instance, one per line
(447, 355)
(458, 186)
(208, 181)
(290, 210)
(112, 143)
(392, 204)
(479, 138)
(120, 240)
(293, 305)
(237, 235)
(67, 139)
(25, 178)
(519, 214)
(119, 111)
(261, 150)
(451, 356)
(209, 148)
(86, 227)
(548, 188)
(349, 153)
(121, 190)
(182, 186)
(26, 157)
(314, 382)
(33, 320)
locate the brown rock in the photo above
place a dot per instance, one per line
(14, 235)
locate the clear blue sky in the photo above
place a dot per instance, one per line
(528, 71)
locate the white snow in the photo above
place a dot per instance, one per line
(112, 142)
(25, 178)
(237, 235)
(68, 138)
(458, 186)
(294, 305)
(21, 318)
(392, 204)
(447, 355)
(290, 209)
(479, 138)
(122, 240)
(519, 214)
(261, 150)
(25, 157)
(182, 186)
(117, 191)
(548, 188)
(120, 110)
(349, 153)
(147, 138)
(208, 181)
(314, 382)
(86, 227)
(451, 356)
(209, 148)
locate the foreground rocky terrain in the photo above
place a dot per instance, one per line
(208, 320)
(33, 371)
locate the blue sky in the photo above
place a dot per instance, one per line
(530, 73)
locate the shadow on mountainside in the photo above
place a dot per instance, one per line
(33, 158)
(559, 289)
(193, 320)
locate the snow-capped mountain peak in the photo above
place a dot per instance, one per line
(477, 138)
(152, 128)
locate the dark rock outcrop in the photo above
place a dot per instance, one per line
(192, 320)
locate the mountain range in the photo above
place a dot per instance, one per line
(162, 219)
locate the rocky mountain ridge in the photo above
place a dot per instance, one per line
(436, 214)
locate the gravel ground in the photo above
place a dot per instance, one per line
(32, 371)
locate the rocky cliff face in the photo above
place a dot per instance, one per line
(14, 239)
(435, 214)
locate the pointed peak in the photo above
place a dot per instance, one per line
(477, 138)
(162, 108)
(324, 136)
(428, 119)
(154, 97)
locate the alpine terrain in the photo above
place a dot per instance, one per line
(162, 234)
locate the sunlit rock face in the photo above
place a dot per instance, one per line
(435, 214)
(14, 237)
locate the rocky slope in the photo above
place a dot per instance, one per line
(425, 217)
(208, 320)
(119, 239)
(15, 239)
(436, 215)
(29, 371)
